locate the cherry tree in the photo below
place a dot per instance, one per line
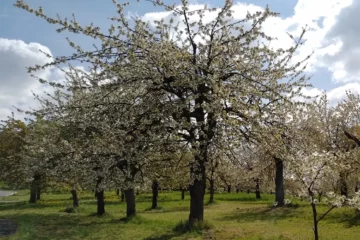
(200, 79)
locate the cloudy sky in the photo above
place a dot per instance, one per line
(333, 35)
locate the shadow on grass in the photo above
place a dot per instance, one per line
(55, 226)
(243, 199)
(182, 228)
(261, 214)
(352, 220)
(165, 236)
(25, 205)
(349, 217)
(161, 198)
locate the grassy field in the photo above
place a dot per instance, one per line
(233, 216)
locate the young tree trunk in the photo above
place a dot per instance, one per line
(197, 191)
(229, 188)
(257, 189)
(315, 229)
(100, 202)
(357, 187)
(279, 182)
(248, 191)
(183, 193)
(122, 196)
(237, 189)
(117, 192)
(212, 191)
(75, 198)
(130, 202)
(155, 193)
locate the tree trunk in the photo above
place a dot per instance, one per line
(99, 193)
(117, 192)
(248, 191)
(320, 195)
(197, 190)
(155, 193)
(237, 189)
(34, 194)
(75, 198)
(122, 196)
(257, 189)
(315, 229)
(38, 193)
(130, 202)
(343, 185)
(33, 189)
(183, 193)
(229, 188)
(279, 182)
(212, 191)
(100, 202)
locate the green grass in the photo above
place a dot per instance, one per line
(232, 216)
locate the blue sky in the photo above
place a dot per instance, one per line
(18, 24)
(22, 34)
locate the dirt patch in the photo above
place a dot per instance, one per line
(7, 227)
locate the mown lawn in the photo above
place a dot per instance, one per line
(233, 216)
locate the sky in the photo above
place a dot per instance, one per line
(333, 35)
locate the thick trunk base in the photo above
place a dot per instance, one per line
(197, 192)
(100, 202)
(130, 203)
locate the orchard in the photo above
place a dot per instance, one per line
(188, 104)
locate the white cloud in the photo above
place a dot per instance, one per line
(15, 83)
(334, 95)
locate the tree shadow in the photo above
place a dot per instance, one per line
(161, 198)
(7, 227)
(69, 226)
(165, 236)
(25, 205)
(180, 229)
(261, 214)
(351, 218)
